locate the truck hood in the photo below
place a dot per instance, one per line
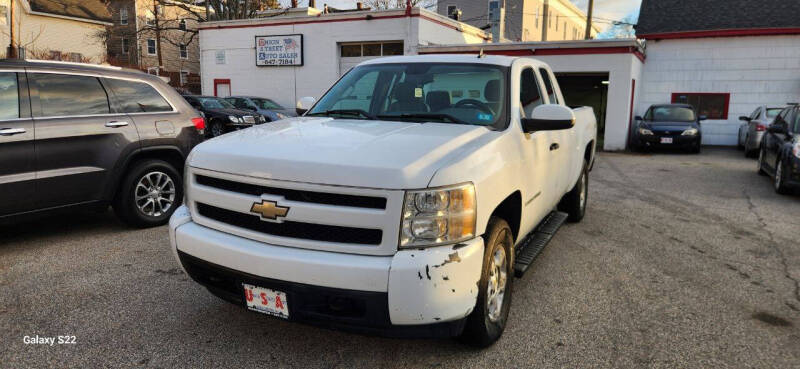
(360, 153)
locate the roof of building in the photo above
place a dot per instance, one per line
(714, 18)
(94, 10)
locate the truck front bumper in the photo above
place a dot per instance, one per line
(417, 292)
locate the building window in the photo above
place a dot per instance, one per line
(125, 46)
(4, 14)
(368, 49)
(184, 51)
(153, 71)
(712, 105)
(55, 55)
(184, 77)
(123, 16)
(151, 46)
(182, 25)
(150, 21)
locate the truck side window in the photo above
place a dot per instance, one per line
(529, 94)
(549, 86)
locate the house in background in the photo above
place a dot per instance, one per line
(159, 38)
(69, 30)
(525, 20)
(725, 57)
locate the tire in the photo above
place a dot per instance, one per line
(750, 153)
(216, 129)
(150, 182)
(761, 170)
(780, 179)
(487, 321)
(575, 201)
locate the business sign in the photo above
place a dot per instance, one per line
(280, 50)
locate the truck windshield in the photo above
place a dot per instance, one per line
(472, 94)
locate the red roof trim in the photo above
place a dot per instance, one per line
(565, 51)
(320, 20)
(721, 33)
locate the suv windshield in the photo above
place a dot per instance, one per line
(266, 104)
(671, 114)
(215, 103)
(420, 92)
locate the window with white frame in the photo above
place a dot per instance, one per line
(125, 45)
(184, 77)
(151, 47)
(123, 16)
(184, 51)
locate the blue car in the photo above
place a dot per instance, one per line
(669, 125)
(266, 107)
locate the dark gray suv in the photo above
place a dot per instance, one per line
(83, 135)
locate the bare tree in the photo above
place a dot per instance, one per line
(398, 4)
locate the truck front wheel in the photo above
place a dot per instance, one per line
(487, 321)
(574, 202)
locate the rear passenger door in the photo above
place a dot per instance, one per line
(79, 139)
(17, 158)
(153, 115)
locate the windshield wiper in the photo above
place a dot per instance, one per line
(440, 116)
(354, 112)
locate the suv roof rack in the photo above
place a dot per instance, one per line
(103, 66)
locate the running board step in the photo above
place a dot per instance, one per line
(534, 243)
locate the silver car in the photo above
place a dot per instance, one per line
(753, 127)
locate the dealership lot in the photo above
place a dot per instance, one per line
(682, 260)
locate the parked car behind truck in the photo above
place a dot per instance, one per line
(669, 125)
(77, 135)
(779, 155)
(221, 116)
(266, 107)
(404, 202)
(753, 127)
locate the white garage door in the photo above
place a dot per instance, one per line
(351, 54)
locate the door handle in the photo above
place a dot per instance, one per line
(554, 146)
(11, 131)
(116, 124)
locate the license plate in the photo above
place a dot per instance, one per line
(666, 140)
(267, 301)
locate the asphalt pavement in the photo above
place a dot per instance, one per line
(682, 261)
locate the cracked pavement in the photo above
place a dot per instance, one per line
(682, 261)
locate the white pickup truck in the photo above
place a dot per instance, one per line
(402, 203)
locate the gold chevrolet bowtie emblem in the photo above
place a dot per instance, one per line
(269, 210)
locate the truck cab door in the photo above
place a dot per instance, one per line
(17, 156)
(561, 145)
(538, 165)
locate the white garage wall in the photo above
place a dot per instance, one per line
(321, 54)
(754, 70)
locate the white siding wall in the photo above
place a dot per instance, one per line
(321, 54)
(754, 70)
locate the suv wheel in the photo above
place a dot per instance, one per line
(780, 179)
(149, 194)
(216, 129)
(488, 320)
(574, 202)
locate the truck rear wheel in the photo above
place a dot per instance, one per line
(574, 202)
(488, 320)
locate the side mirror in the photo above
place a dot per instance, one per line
(702, 117)
(744, 118)
(304, 104)
(549, 117)
(638, 117)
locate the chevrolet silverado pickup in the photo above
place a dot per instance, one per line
(402, 203)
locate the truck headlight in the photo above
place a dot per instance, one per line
(438, 216)
(235, 119)
(690, 132)
(645, 132)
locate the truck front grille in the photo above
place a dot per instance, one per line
(306, 231)
(324, 198)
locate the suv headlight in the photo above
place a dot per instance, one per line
(438, 216)
(645, 132)
(689, 132)
(235, 119)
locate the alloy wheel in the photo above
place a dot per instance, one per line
(154, 194)
(496, 289)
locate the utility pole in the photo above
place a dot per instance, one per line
(589, 20)
(12, 50)
(545, 19)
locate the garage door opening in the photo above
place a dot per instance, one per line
(587, 89)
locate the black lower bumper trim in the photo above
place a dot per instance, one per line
(348, 310)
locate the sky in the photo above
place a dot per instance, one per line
(607, 9)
